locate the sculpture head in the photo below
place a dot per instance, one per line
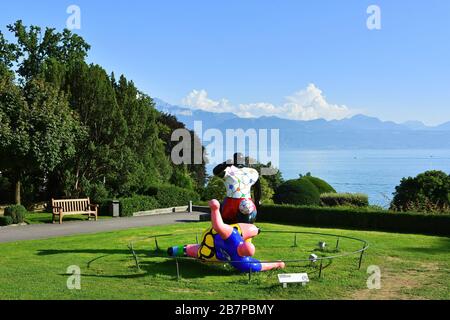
(239, 160)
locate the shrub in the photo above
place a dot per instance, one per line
(16, 212)
(344, 199)
(356, 218)
(266, 191)
(172, 196)
(97, 193)
(182, 178)
(130, 205)
(428, 192)
(320, 184)
(215, 189)
(299, 192)
(5, 221)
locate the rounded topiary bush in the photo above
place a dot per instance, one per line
(16, 212)
(321, 185)
(298, 192)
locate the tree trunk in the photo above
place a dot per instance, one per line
(17, 193)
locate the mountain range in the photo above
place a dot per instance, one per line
(357, 132)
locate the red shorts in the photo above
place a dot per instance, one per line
(230, 210)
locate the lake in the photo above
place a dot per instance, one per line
(373, 172)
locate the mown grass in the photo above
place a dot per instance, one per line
(412, 267)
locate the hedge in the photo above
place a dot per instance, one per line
(356, 218)
(128, 206)
(155, 198)
(172, 196)
(5, 221)
(344, 199)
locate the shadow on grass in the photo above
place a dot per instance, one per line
(188, 269)
(442, 247)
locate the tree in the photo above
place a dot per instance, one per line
(215, 189)
(428, 191)
(38, 130)
(274, 180)
(266, 191)
(170, 124)
(145, 148)
(34, 49)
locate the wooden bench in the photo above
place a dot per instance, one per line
(68, 207)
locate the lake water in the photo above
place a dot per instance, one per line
(374, 172)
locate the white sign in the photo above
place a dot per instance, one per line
(285, 278)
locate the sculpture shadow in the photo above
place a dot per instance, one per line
(148, 264)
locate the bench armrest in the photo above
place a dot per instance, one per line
(93, 205)
(56, 209)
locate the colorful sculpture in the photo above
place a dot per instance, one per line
(229, 243)
(238, 205)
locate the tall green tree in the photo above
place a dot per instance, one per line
(38, 130)
(197, 171)
(34, 48)
(144, 149)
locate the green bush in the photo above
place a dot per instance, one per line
(182, 178)
(215, 189)
(130, 205)
(5, 221)
(320, 184)
(171, 196)
(344, 199)
(298, 191)
(97, 193)
(16, 212)
(266, 191)
(428, 192)
(356, 218)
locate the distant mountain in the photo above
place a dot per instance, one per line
(415, 125)
(357, 132)
(444, 126)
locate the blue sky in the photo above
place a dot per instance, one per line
(300, 59)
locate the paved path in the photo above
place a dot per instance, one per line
(44, 231)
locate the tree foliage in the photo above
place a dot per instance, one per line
(71, 129)
(427, 192)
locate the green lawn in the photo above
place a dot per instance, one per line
(412, 266)
(44, 217)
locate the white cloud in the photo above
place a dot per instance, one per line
(305, 104)
(198, 99)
